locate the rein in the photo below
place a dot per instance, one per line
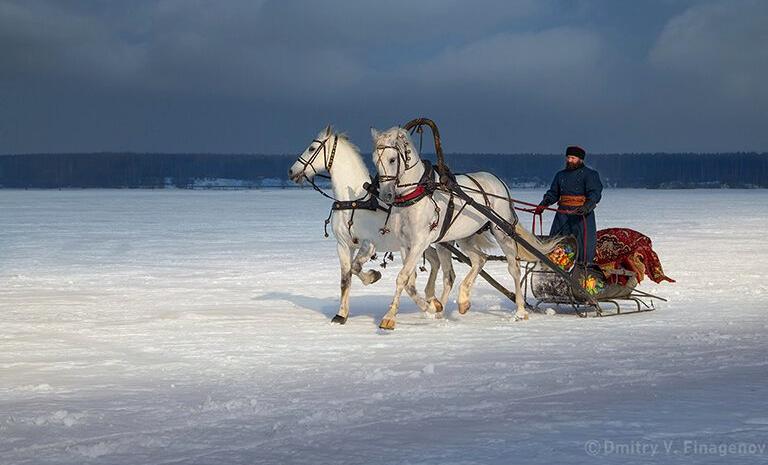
(539, 215)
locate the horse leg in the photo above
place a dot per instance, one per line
(410, 260)
(434, 266)
(425, 304)
(478, 259)
(345, 260)
(364, 253)
(509, 247)
(449, 275)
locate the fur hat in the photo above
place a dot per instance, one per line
(576, 151)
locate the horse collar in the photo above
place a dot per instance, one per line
(426, 186)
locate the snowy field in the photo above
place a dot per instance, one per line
(164, 327)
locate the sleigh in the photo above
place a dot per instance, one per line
(549, 289)
(612, 292)
(624, 258)
(613, 287)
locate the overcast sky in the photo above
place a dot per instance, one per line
(497, 75)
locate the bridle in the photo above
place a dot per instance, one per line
(403, 158)
(327, 159)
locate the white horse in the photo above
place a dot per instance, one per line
(357, 225)
(421, 219)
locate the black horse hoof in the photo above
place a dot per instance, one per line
(376, 276)
(339, 319)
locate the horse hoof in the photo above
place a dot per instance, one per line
(521, 317)
(369, 277)
(376, 276)
(464, 307)
(436, 305)
(339, 319)
(388, 324)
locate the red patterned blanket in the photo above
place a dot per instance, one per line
(627, 248)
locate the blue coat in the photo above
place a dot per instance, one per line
(581, 181)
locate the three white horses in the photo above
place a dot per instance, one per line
(420, 219)
(358, 223)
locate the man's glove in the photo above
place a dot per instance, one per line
(585, 209)
(539, 209)
(581, 211)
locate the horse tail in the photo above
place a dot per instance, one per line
(544, 247)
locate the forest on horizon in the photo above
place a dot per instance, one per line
(157, 170)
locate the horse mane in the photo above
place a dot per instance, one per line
(343, 136)
(395, 133)
(329, 130)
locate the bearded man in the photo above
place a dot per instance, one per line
(577, 190)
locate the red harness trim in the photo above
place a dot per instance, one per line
(411, 195)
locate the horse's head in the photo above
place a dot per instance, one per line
(316, 159)
(393, 155)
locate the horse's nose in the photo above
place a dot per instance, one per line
(290, 172)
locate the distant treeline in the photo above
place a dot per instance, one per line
(651, 170)
(151, 170)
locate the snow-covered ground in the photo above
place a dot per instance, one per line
(158, 327)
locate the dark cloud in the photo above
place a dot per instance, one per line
(499, 76)
(719, 45)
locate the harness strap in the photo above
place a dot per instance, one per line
(448, 219)
(481, 190)
(486, 199)
(370, 204)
